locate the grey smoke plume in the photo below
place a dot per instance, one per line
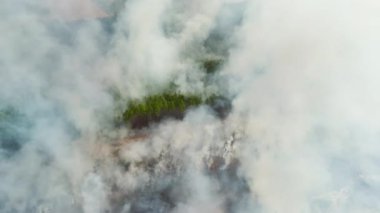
(302, 135)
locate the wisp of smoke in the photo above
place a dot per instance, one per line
(301, 135)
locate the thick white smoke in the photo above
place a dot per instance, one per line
(302, 135)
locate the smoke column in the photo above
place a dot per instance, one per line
(302, 135)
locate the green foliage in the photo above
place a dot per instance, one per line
(154, 105)
(166, 101)
(211, 65)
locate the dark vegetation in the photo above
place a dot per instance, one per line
(156, 107)
(171, 104)
(153, 105)
(212, 65)
(13, 128)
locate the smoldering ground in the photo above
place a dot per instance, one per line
(302, 134)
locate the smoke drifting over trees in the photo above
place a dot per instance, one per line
(299, 79)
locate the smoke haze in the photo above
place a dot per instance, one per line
(302, 135)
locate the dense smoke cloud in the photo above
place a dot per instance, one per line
(301, 135)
